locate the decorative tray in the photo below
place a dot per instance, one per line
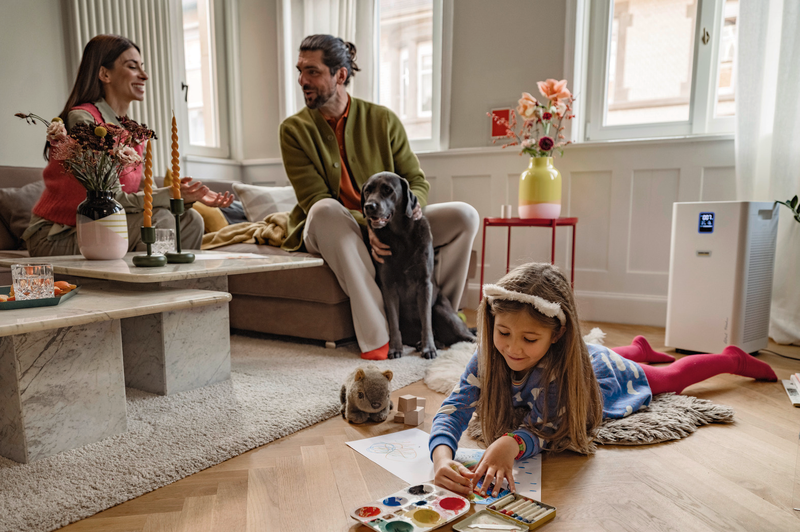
(31, 303)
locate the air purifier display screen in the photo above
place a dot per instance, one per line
(706, 224)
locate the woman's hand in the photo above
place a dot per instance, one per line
(497, 464)
(379, 249)
(192, 191)
(215, 199)
(450, 474)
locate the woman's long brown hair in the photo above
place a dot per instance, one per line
(101, 51)
(567, 366)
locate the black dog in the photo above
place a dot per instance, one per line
(417, 311)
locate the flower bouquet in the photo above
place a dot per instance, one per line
(95, 155)
(99, 157)
(541, 131)
(540, 134)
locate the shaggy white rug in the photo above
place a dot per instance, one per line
(668, 417)
(276, 388)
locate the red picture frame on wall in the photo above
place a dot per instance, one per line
(499, 130)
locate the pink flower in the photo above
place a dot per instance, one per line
(547, 116)
(528, 143)
(527, 106)
(56, 132)
(546, 144)
(554, 90)
(127, 156)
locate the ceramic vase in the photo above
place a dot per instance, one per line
(102, 227)
(540, 189)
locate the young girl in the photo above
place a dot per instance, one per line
(531, 361)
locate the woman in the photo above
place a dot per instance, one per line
(110, 77)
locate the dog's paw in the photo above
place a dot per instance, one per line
(395, 353)
(429, 353)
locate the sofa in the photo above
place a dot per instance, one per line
(305, 303)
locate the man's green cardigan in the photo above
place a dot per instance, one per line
(375, 141)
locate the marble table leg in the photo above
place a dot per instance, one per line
(176, 351)
(60, 389)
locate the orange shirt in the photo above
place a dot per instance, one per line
(348, 195)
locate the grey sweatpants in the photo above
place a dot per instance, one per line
(332, 232)
(191, 234)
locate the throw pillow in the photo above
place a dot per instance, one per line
(235, 213)
(213, 218)
(260, 201)
(16, 205)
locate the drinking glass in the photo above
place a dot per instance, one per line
(165, 241)
(32, 281)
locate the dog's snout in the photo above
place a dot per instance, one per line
(370, 208)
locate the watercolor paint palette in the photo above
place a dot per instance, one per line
(515, 511)
(414, 509)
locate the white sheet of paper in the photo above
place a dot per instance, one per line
(220, 256)
(404, 454)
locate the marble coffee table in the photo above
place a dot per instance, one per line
(159, 347)
(63, 368)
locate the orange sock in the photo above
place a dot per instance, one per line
(382, 353)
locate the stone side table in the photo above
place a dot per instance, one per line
(62, 381)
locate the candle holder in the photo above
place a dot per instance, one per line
(149, 260)
(176, 206)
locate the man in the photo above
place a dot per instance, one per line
(329, 150)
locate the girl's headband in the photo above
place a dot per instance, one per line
(548, 308)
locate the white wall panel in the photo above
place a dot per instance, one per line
(590, 194)
(719, 184)
(652, 194)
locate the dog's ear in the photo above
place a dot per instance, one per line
(410, 198)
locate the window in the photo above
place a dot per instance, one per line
(203, 82)
(410, 45)
(660, 68)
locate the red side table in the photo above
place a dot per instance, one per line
(528, 222)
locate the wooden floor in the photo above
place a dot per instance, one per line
(723, 477)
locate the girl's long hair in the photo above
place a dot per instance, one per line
(100, 51)
(566, 365)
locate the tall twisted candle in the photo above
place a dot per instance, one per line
(148, 186)
(176, 168)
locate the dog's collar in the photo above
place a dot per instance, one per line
(548, 308)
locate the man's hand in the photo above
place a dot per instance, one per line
(197, 191)
(417, 214)
(379, 249)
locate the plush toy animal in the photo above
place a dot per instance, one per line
(365, 395)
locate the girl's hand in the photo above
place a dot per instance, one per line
(453, 476)
(497, 464)
(450, 474)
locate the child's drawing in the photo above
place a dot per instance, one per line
(397, 451)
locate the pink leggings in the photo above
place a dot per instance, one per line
(693, 368)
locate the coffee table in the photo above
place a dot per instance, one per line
(63, 368)
(164, 352)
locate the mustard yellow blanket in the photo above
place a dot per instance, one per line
(271, 231)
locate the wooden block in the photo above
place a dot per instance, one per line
(415, 417)
(421, 402)
(406, 403)
(399, 417)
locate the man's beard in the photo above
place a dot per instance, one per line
(320, 100)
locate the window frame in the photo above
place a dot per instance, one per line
(705, 71)
(221, 34)
(442, 38)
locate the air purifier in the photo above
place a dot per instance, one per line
(722, 255)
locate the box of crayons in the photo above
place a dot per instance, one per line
(514, 512)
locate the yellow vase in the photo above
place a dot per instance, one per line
(540, 190)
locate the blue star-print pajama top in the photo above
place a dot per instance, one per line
(623, 387)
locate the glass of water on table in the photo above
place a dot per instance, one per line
(32, 281)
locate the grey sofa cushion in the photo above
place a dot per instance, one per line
(16, 205)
